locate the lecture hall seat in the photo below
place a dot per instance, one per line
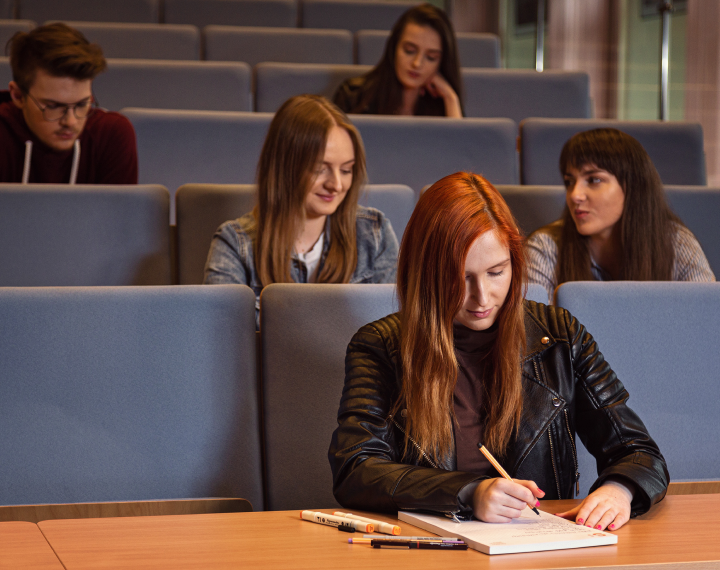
(8, 28)
(201, 208)
(62, 235)
(201, 13)
(128, 394)
(302, 387)
(661, 340)
(143, 41)
(353, 15)
(131, 11)
(676, 148)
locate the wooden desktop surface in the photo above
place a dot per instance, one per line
(22, 545)
(681, 530)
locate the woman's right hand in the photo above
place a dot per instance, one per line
(499, 500)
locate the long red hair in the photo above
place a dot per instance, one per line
(448, 218)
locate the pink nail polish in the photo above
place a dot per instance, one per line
(612, 526)
(580, 521)
(537, 503)
(541, 491)
(598, 527)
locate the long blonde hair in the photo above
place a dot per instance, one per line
(295, 143)
(449, 217)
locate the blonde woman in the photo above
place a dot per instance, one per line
(307, 226)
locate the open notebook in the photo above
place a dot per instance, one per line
(529, 533)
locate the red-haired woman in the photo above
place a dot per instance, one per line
(468, 361)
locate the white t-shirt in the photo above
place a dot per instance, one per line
(311, 258)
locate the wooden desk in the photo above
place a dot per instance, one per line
(22, 545)
(682, 530)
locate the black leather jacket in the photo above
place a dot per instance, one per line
(568, 388)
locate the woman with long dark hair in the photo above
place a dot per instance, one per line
(617, 224)
(467, 362)
(307, 226)
(419, 73)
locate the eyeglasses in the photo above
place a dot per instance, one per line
(55, 111)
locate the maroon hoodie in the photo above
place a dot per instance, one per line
(108, 151)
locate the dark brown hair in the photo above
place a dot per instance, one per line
(385, 89)
(58, 50)
(646, 232)
(295, 143)
(448, 218)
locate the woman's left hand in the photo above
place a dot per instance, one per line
(606, 507)
(438, 86)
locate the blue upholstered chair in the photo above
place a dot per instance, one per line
(352, 15)
(302, 384)
(143, 41)
(661, 339)
(135, 11)
(277, 82)
(675, 148)
(292, 45)
(59, 235)
(128, 394)
(164, 84)
(200, 13)
(520, 93)
(201, 208)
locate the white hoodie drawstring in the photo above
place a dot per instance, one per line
(26, 166)
(76, 162)
(73, 170)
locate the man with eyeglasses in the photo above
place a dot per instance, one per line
(51, 130)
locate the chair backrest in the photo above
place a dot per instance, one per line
(200, 13)
(418, 151)
(59, 235)
(304, 333)
(128, 393)
(8, 29)
(135, 11)
(534, 206)
(201, 208)
(291, 45)
(353, 15)
(179, 147)
(165, 84)
(696, 206)
(520, 93)
(537, 293)
(676, 148)
(143, 41)
(474, 50)
(671, 379)
(275, 83)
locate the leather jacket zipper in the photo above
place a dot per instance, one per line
(574, 452)
(452, 515)
(552, 458)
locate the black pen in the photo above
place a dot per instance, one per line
(419, 544)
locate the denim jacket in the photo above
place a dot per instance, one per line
(231, 256)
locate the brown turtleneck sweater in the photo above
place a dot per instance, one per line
(472, 349)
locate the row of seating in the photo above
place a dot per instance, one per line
(178, 147)
(119, 235)
(253, 44)
(168, 84)
(137, 393)
(336, 14)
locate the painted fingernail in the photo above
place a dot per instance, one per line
(588, 525)
(598, 527)
(580, 521)
(612, 526)
(541, 491)
(537, 503)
